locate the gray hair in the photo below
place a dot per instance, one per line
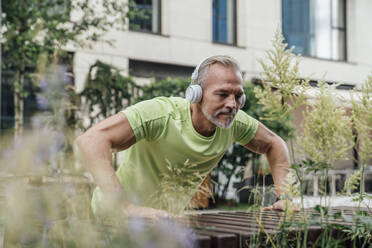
(201, 70)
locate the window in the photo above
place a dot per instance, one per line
(144, 15)
(224, 21)
(316, 27)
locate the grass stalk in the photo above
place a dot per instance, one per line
(361, 186)
(266, 233)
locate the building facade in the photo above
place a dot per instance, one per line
(170, 37)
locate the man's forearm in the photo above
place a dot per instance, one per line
(279, 161)
(96, 153)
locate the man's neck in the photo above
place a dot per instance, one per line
(201, 124)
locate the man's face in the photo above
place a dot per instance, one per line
(222, 91)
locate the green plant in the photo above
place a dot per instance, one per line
(360, 232)
(283, 89)
(55, 209)
(36, 29)
(327, 130)
(177, 186)
(164, 87)
(362, 120)
(106, 93)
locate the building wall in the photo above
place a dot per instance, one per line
(186, 39)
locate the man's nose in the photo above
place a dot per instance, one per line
(231, 102)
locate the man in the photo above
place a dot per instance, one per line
(174, 139)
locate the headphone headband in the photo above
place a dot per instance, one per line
(195, 73)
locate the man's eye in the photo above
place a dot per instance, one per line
(222, 95)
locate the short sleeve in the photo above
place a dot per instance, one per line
(245, 128)
(147, 119)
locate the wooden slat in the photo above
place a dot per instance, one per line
(203, 241)
(221, 239)
(235, 229)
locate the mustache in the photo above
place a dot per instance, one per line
(227, 111)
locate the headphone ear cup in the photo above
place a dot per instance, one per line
(242, 101)
(194, 93)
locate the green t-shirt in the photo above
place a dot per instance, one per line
(169, 160)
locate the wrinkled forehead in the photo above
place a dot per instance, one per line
(227, 66)
(223, 73)
(219, 75)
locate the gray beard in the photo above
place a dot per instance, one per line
(212, 118)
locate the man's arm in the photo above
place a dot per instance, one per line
(96, 146)
(268, 143)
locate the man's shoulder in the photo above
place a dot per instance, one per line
(242, 116)
(149, 118)
(161, 106)
(171, 104)
(244, 120)
(172, 100)
(167, 100)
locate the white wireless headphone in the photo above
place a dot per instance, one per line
(194, 92)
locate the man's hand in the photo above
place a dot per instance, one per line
(145, 212)
(282, 205)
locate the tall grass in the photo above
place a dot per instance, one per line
(45, 195)
(327, 129)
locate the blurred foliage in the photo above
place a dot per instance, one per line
(106, 92)
(35, 29)
(283, 90)
(362, 120)
(327, 129)
(58, 106)
(177, 186)
(360, 233)
(44, 211)
(164, 87)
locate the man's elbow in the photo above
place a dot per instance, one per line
(279, 148)
(84, 140)
(80, 141)
(276, 143)
(93, 139)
